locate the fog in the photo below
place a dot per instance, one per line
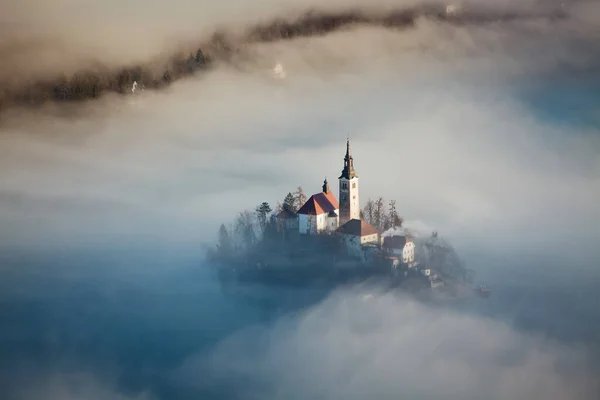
(384, 347)
(486, 132)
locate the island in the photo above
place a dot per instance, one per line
(319, 240)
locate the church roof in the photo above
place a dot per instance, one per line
(331, 197)
(357, 227)
(320, 203)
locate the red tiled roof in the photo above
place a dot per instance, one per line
(331, 197)
(357, 227)
(319, 203)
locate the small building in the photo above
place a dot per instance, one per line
(320, 213)
(393, 245)
(408, 252)
(355, 234)
(287, 220)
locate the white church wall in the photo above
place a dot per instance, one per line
(321, 222)
(306, 224)
(332, 224)
(312, 224)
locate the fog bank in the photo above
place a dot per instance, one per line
(48, 58)
(353, 346)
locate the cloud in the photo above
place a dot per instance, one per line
(388, 347)
(65, 386)
(83, 61)
(436, 114)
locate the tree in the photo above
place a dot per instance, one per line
(244, 228)
(386, 222)
(271, 227)
(201, 57)
(262, 215)
(289, 202)
(300, 198)
(278, 208)
(394, 219)
(224, 245)
(368, 211)
(378, 213)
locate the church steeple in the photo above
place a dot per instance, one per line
(325, 186)
(349, 202)
(348, 171)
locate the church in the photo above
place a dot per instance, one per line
(323, 214)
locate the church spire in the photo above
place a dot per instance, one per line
(348, 149)
(348, 171)
(325, 186)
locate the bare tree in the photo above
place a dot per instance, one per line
(386, 222)
(278, 208)
(300, 198)
(379, 213)
(394, 219)
(244, 228)
(369, 211)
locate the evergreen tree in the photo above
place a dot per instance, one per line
(262, 215)
(271, 228)
(289, 202)
(300, 198)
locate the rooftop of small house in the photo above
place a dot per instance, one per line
(286, 214)
(357, 227)
(395, 242)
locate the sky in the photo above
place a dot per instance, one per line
(485, 132)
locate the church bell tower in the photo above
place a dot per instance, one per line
(349, 205)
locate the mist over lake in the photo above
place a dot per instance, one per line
(486, 132)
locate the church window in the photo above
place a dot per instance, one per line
(353, 185)
(353, 197)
